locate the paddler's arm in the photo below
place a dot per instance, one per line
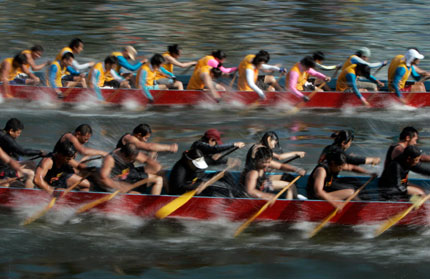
(319, 178)
(357, 60)
(142, 85)
(250, 80)
(251, 186)
(175, 62)
(105, 175)
(32, 63)
(286, 167)
(72, 70)
(150, 146)
(81, 67)
(166, 72)
(207, 80)
(293, 77)
(53, 69)
(351, 80)
(375, 81)
(421, 169)
(319, 75)
(415, 75)
(354, 168)
(81, 149)
(215, 64)
(13, 147)
(152, 166)
(400, 72)
(288, 155)
(39, 176)
(124, 63)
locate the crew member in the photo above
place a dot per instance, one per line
(57, 70)
(203, 78)
(32, 55)
(9, 168)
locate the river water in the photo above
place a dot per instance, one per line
(113, 247)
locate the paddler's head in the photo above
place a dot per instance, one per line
(409, 135)
(77, 45)
(362, 70)
(413, 57)
(262, 57)
(83, 133)
(157, 60)
(67, 59)
(318, 57)
(142, 132)
(36, 51)
(19, 60)
(130, 151)
(14, 127)
(196, 159)
(129, 52)
(411, 155)
(364, 53)
(174, 50)
(111, 62)
(219, 55)
(336, 160)
(212, 137)
(270, 139)
(65, 152)
(308, 62)
(262, 156)
(343, 138)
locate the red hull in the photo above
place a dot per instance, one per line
(194, 97)
(204, 208)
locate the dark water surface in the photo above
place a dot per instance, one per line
(125, 247)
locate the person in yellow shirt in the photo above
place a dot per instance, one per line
(33, 54)
(57, 70)
(203, 78)
(171, 56)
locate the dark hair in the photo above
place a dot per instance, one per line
(318, 55)
(219, 54)
(408, 132)
(174, 49)
(111, 59)
(19, 59)
(14, 124)
(308, 62)
(65, 148)
(261, 56)
(129, 150)
(336, 157)
(265, 138)
(363, 70)
(143, 129)
(38, 48)
(216, 72)
(157, 59)
(84, 129)
(342, 136)
(75, 43)
(262, 153)
(67, 56)
(411, 151)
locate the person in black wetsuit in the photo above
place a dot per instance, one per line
(211, 146)
(342, 141)
(393, 182)
(119, 173)
(323, 181)
(9, 168)
(56, 170)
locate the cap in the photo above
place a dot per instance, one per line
(364, 51)
(197, 158)
(411, 55)
(213, 134)
(131, 52)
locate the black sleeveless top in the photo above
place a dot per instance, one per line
(388, 158)
(120, 144)
(120, 167)
(57, 171)
(330, 177)
(59, 141)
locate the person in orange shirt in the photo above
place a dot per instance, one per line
(33, 54)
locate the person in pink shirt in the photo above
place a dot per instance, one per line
(219, 57)
(298, 75)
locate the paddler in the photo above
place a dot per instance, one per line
(118, 171)
(14, 72)
(32, 55)
(128, 53)
(57, 170)
(215, 60)
(146, 76)
(323, 181)
(9, 168)
(347, 80)
(249, 79)
(57, 70)
(74, 75)
(393, 183)
(203, 78)
(171, 56)
(342, 141)
(298, 75)
(78, 138)
(400, 69)
(211, 146)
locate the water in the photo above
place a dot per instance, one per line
(125, 247)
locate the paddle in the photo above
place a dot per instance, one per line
(44, 210)
(8, 180)
(227, 153)
(91, 159)
(36, 157)
(377, 70)
(291, 159)
(300, 104)
(329, 217)
(396, 218)
(184, 198)
(106, 198)
(264, 207)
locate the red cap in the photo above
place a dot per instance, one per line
(213, 134)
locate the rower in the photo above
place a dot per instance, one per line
(298, 75)
(203, 78)
(9, 168)
(215, 60)
(408, 137)
(74, 75)
(33, 54)
(342, 141)
(128, 53)
(140, 137)
(146, 76)
(393, 182)
(323, 182)
(347, 80)
(211, 146)
(118, 171)
(57, 170)
(14, 72)
(57, 70)
(362, 57)
(249, 80)
(78, 138)
(171, 55)
(270, 140)
(401, 67)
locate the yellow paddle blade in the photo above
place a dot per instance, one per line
(174, 205)
(39, 214)
(249, 221)
(92, 204)
(323, 223)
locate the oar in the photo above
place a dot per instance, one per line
(92, 159)
(300, 104)
(36, 157)
(396, 218)
(227, 153)
(184, 198)
(264, 207)
(8, 180)
(106, 198)
(334, 213)
(44, 210)
(291, 159)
